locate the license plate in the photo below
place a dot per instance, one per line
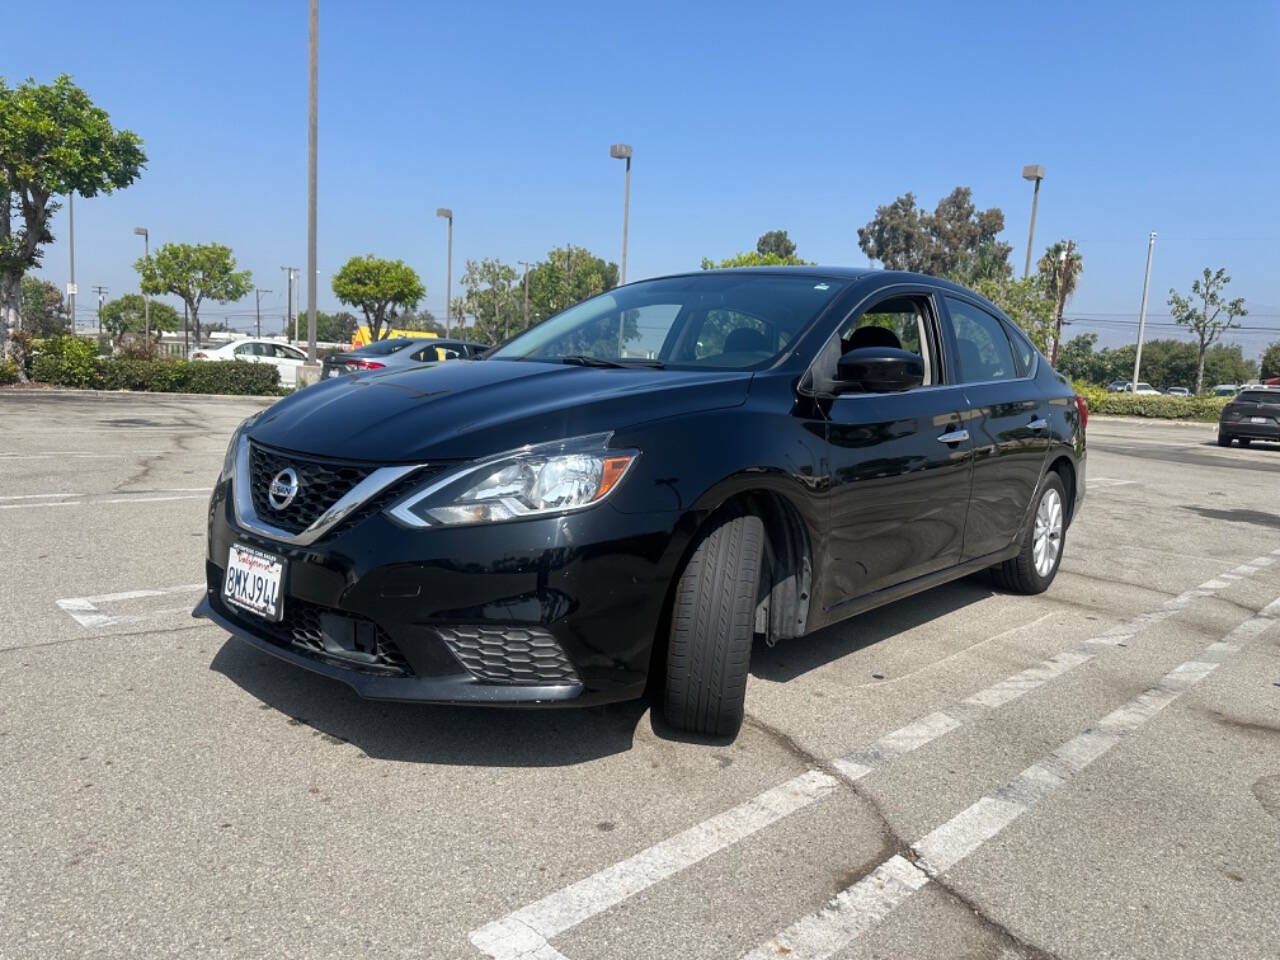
(253, 582)
(1257, 419)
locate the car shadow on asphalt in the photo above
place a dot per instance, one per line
(791, 658)
(429, 733)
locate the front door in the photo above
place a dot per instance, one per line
(898, 463)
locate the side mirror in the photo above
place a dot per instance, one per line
(879, 370)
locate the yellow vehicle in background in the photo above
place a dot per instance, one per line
(362, 337)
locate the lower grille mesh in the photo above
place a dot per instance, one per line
(516, 655)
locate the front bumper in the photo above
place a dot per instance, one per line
(553, 611)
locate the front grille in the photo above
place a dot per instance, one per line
(352, 642)
(517, 655)
(321, 484)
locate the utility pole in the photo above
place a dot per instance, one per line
(257, 296)
(102, 293)
(622, 151)
(525, 264)
(71, 237)
(1142, 313)
(447, 213)
(1033, 171)
(1065, 269)
(146, 297)
(288, 314)
(312, 137)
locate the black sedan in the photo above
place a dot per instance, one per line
(642, 486)
(1253, 414)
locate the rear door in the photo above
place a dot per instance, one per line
(898, 463)
(1006, 414)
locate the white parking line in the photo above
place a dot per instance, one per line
(35, 501)
(524, 933)
(41, 496)
(84, 610)
(1109, 482)
(863, 904)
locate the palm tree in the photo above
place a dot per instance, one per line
(1052, 272)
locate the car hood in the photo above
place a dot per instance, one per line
(463, 409)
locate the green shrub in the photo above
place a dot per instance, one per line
(1159, 407)
(8, 372)
(66, 361)
(70, 365)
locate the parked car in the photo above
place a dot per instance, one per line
(399, 352)
(1226, 390)
(1177, 391)
(1118, 386)
(644, 483)
(1142, 387)
(282, 356)
(1254, 414)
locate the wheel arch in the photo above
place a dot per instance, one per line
(1066, 471)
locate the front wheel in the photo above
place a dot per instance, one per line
(1036, 563)
(712, 627)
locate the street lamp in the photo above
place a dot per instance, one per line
(622, 151)
(146, 297)
(448, 278)
(1033, 171)
(1142, 314)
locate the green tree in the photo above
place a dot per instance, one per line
(488, 287)
(777, 243)
(956, 240)
(1206, 313)
(44, 311)
(567, 276)
(1027, 304)
(1076, 359)
(1058, 272)
(195, 272)
(423, 320)
(336, 327)
(1271, 361)
(53, 141)
(753, 258)
(380, 288)
(128, 313)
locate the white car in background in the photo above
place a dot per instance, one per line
(1144, 388)
(283, 357)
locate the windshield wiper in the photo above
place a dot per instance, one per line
(583, 360)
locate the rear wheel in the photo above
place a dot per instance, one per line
(712, 627)
(1036, 563)
(1244, 441)
(1224, 439)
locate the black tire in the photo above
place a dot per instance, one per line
(1244, 441)
(1019, 574)
(1224, 439)
(712, 627)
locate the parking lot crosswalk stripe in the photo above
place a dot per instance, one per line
(859, 763)
(84, 610)
(525, 931)
(863, 904)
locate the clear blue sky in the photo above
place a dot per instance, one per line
(744, 117)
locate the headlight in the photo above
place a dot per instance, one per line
(229, 458)
(548, 478)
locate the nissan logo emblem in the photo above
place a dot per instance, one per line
(284, 487)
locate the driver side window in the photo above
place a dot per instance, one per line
(902, 322)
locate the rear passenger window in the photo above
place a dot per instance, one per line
(1023, 351)
(982, 348)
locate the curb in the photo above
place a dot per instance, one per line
(27, 392)
(1117, 418)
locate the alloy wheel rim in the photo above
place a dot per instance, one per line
(1047, 542)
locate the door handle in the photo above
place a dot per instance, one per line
(1039, 423)
(954, 436)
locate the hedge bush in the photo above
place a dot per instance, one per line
(8, 372)
(1158, 407)
(70, 362)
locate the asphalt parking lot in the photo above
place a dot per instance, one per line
(1094, 772)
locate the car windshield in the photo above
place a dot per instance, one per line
(728, 321)
(383, 348)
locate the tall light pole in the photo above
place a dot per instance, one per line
(525, 264)
(288, 310)
(71, 237)
(1142, 313)
(257, 297)
(448, 275)
(146, 297)
(622, 151)
(1033, 171)
(312, 137)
